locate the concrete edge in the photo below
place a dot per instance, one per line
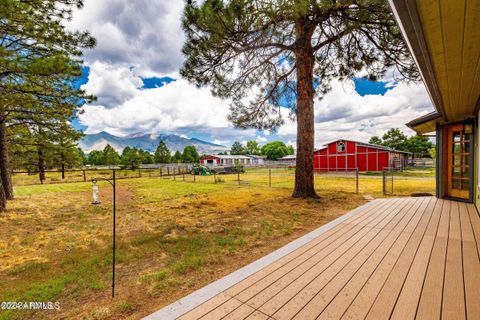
(202, 295)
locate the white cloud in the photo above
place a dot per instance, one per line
(112, 85)
(261, 139)
(142, 33)
(170, 108)
(221, 142)
(343, 113)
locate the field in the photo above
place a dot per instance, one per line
(172, 236)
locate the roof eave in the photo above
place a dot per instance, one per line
(408, 19)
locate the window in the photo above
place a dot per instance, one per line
(341, 147)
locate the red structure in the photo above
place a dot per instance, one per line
(347, 155)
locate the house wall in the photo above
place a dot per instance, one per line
(476, 164)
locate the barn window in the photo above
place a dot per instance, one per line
(341, 147)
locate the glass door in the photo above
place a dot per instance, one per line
(458, 162)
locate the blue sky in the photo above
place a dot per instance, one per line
(134, 72)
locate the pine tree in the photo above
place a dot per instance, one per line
(252, 148)
(95, 158)
(39, 60)
(190, 155)
(162, 154)
(110, 156)
(287, 52)
(237, 149)
(177, 157)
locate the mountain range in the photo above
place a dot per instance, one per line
(148, 142)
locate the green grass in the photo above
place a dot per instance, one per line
(52, 188)
(414, 173)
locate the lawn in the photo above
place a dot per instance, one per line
(172, 237)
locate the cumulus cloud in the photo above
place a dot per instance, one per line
(261, 139)
(112, 85)
(141, 33)
(343, 113)
(170, 108)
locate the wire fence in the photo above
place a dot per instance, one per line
(388, 182)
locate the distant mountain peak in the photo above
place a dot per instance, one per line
(138, 135)
(147, 142)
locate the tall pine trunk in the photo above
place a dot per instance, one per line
(63, 167)
(6, 174)
(3, 199)
(305, 61)
(41, 165)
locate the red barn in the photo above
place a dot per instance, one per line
(347, 155)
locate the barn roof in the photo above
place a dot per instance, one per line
(370, 145)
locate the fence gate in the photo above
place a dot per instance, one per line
(387, 175)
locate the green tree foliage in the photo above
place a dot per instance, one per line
(375, 140)
(280, 49)
(237, 149)
(291, 150)
(394, 138)
(145, 156)
(162, 154)
(54, 146)
(131, 158)
(432, 152)
(81, 156)
(190, 155)
(252, 148)
(275, 150)
(420, 146)
(110, 156)
(95, 158)
(177, 157)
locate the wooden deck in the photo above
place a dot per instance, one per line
(400, 258)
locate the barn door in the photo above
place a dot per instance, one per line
(458, 162)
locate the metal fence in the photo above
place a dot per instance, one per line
(388, 182)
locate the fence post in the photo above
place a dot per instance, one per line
(238, 176)
(383, 182)
(269, 177)
(84, 176)
(214, 177)
(139, 173)
(194, 177)
(160, 169)
(392, 181)
(174, 177)
(356, 177)
(183, 176)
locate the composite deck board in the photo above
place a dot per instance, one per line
(368, 258)
(453, 306)
(387, 297)
(471, 264)
(407, 303)
(403, 258)
(323, 271)
(275, 270)
(430, 305)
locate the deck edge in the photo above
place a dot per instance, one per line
(202, 295)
